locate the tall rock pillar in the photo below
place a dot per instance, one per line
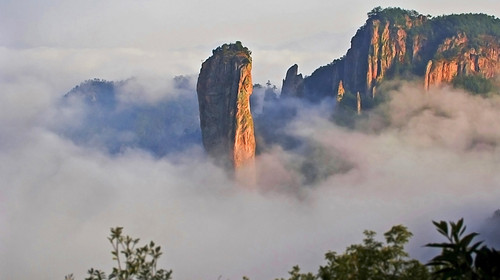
(224, 88)
(293, 84)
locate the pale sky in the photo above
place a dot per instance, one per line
(58, 199)
(121, 38)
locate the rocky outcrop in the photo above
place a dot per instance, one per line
(293, 84)
(387, 47)
(396, 43)
(456, 57)
(375, 49)
(340, 91)
(224, 88)
(358, 103)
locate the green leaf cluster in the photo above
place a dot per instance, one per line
(370, 260)
(436, 29)
(460, 258)
(132, 262)
(231, 49)
(395, 15)
(471, 24)
(476, 84)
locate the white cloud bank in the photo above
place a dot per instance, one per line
(425, 156)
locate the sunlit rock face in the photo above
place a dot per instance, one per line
(457, 56)
(401, 44)
(377, 49)
(224, 88)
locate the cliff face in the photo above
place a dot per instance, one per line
(375, 49)
(224, 88)
(462, 60)
(399, 43)
(387, 47)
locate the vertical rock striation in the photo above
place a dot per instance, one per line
(402, 44)
(377, 49)
(224, 88)
(458, 58)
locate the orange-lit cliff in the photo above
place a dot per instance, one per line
(224, 88)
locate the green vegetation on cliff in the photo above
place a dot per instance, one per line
(471, 24)
(441, 26)
(476, 84)
(433, 31)
(232, 49)
(398, 43)
(395, 15)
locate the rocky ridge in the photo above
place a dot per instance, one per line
(400, 43)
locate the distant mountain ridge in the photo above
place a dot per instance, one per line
(167, 126)
(400, 43)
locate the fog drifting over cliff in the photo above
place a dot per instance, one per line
(420, 157)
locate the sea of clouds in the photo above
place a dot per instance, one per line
(419, 157)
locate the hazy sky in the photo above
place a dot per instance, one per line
(115, 39)
(58, 199)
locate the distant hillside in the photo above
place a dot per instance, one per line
(109, 121)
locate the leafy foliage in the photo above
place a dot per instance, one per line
(295, 274)
(132, 263)
(232, 48)
(476, 84)
(471, 24)
(374, 259)
(460, 258)
(435, 30)
(395, 15)
(370, 260)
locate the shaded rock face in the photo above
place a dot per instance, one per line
(293, 84)
(224, 88)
